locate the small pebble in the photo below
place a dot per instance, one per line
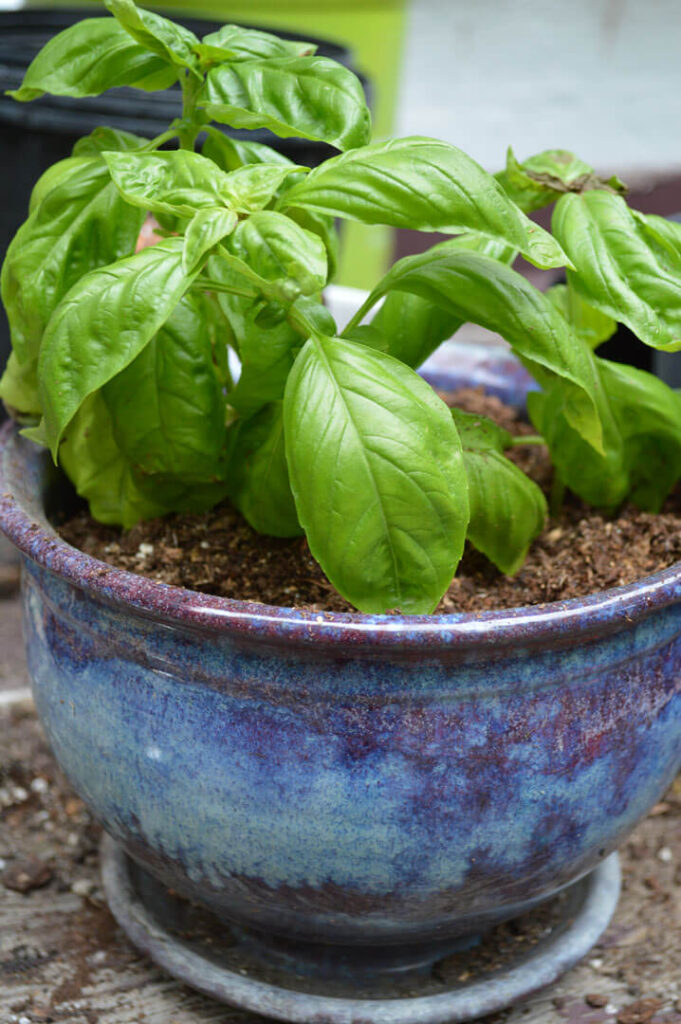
(596, 963)
(145, 550)
(596, 999)
(665, 855)
(205, 545)
(28, 874)
(39, 785)
(83, 887)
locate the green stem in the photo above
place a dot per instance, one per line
(153, 144)
(526, 439)
(207, 284)
(356, 320)
(190, 91)
(300, 323)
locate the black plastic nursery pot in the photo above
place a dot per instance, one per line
(35, 135)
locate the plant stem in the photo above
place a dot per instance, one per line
(526, 439)
(207, 284)
(300, 323)
(153, 144)
(190, 129)
(356, 320)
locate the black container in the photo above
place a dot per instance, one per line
(35, 135)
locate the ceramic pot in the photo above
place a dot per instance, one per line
(362, 780)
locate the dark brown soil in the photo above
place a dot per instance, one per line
(580, 552)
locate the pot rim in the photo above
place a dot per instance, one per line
(547, 624)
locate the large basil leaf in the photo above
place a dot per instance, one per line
(589, 323)
(89, 57)
(19, 389)
(276, 247)
(80, 223)
(236, 43)
(180, 182)
(508, 510)
(106, 140)
(542, 179)
(168, 406)
(177, 182)
(306, 97)
(472, 286)
(413, 327)
(621, 267)
(170, 41)
(641, 419)
(424, 184)
(206, 228)
(99, 471)
(102, 324)
(267, 354)
(377, 473)
(258, 475)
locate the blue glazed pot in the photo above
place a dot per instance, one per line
(347, 778)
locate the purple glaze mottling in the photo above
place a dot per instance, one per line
(348, 777)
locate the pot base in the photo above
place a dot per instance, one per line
(270, 977)
(235, 967)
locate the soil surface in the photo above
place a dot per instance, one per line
(580, 551)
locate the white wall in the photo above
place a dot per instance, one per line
(599, 77)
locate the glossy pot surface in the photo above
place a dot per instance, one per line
(347, 778)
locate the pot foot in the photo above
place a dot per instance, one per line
(451, 982)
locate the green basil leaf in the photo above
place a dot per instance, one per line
(98, 470)
(170, 41)
(413, 326)
(377, 473)
(541, 180)
(424, 184)
(167, 405)
(276, 247)
(179, 182)
(323, 226)
(306, 97)
(90, 57)
(206, 228)
(508, 510)
(176, 182)
(589, 323)
(80, 223)
(250, 188)
(480, 433)
(238, 43)
(19, 389)
(259, 483)
(105, 140)
(267, 354)
(102, 324)
(641, 419)
(621, 268)
(471, 286)
(230, 154)
(59, 172)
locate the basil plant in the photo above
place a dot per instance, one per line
(120, 357)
